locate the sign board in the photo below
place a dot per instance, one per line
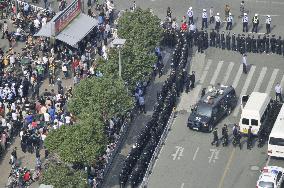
(68, 14)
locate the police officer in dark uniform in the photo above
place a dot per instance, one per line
(279, 46)
(259, 44)
(234, 47)
(212, 38)
(218, 40)
(267, 44)
(192, 80)
(273, 44)
(228, 41)
(243, 44)
(200, 43)
(223, 42)
(225, 136)
(238, 39)
(205, 40)
(215, 137)
(248, 43)
(250, 137)
(253, 44)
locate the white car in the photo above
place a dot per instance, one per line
(271, 177)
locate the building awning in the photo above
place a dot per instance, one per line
(77, 29)
(74, 32)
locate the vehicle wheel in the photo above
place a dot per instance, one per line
(229, 111)
(210, 128)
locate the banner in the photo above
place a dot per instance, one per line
(68, 14)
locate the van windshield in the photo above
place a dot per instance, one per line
(204, 110)
(276, 141)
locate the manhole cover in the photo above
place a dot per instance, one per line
(254, 168)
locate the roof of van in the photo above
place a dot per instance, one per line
(278, 128)
(256, 105)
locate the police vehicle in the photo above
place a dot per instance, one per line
(271, 177)
(212, 107)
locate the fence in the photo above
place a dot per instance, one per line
(157, 151)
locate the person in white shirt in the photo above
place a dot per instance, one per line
(278, 92)
(175, 25)
(190, 15)
(43, 21)
(67, 120)
(46, 117)
(245, 22)
(204, 19)
(218, 21)
(37, 23)
(211, 15)
(244, 62)
(268, 22)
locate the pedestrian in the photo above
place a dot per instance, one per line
(250, 137)
(244, 62)
(169, 13)
(218, 22)
(204, 19)
(227, 9)
(268, 23)
(225, 135)
(242, 9)
(278, 92)
(229, 22)
(215, 137)
(245, 22)
(255, 22)
(190, 16)
(203, 91)
(211, 15)
(192, 80)
(142, 104)
(228, 41)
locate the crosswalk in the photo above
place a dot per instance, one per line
(261, 79)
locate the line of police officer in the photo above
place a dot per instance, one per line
(138, 159)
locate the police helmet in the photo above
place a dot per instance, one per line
(256, 15)
(204, 10)
(245, 14)
(268, 16)
(230, 13)
(218, 14)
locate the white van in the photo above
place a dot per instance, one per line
(255, 109)
(276, 137)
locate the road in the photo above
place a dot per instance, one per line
(188, 157)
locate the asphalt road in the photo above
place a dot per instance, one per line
(188, 159)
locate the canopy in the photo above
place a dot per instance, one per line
(74, 32)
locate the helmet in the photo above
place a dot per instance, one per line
(245, 14)
(268, 16)
(218, 14)
(256, 15)
(190, 8)
(204, 10)
(230, 13)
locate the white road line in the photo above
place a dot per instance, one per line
(238, 76)
(195, 154)
(228, 73)
(282, 81)
(277, 3)
(244, 90)
(271, 81)
(257, 33)
(267, 162)
(216, 73)
(182, 185)
(206, 69)
(261, 1)
(260, 79)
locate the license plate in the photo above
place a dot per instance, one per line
(195, 128)
(245, 131)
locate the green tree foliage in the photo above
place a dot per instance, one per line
(81, 143)
(105, 95)
(61, 176)
(143, 33)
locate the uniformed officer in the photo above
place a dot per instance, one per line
(273, 44)
(215, 137)
(259, 44)
(225, 135)
(223, 42)
(268, 23)
(267, 44)
(228, 41)
(190, 15)
(243, 44)
(218, 21)
(238, 39)
(255, 22)
(212, 38)
(234, 47)
(245, 22)
(253, 44)
(218, 40)
(248, 43)
(229, 21)
(192, 80)
(205, 40)
(204, 19)
(279, 46)
(250, 137)
(200, 43)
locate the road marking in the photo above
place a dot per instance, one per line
(216, 73)
(195, 154)
(178, 153)
(244, 90)
(182, 185)
(238, 76)
(214, 155)
(268, 160)
(228, 73)
(221, 183)
(206, 69)
(260, 1)
(271, 81)
(282, 81)
(277, 3)
(260, 79)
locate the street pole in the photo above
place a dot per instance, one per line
(119, 63)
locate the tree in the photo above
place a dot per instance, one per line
(81, 143)
(104, 95)
(61, 176)
(143, 33)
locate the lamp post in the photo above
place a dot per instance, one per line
(118, 43)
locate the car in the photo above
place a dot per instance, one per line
(217, 103)
(271, 177)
